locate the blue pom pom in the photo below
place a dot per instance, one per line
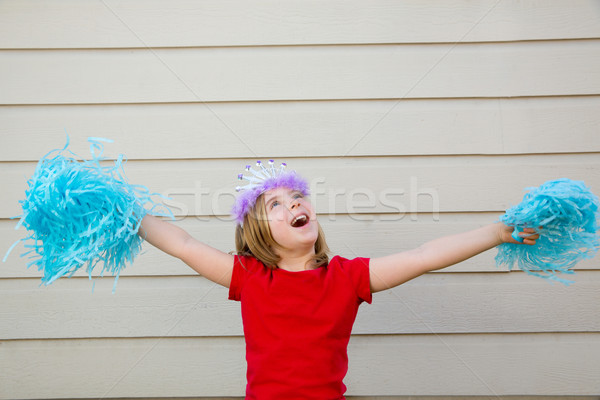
(568, 213)
(83, 212)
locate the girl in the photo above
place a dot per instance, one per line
(298, 306)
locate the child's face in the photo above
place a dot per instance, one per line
(292, 219)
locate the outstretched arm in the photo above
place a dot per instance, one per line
(393, 270)
(209, 262)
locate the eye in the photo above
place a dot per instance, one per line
(298, 196)
(274, 203)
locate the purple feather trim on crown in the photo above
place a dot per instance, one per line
(247, 198)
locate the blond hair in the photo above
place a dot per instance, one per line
(255, 239)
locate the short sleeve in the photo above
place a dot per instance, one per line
(241, 267)
(358, 270)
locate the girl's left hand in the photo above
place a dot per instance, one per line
(529, 235)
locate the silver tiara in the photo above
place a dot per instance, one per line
(260, 175)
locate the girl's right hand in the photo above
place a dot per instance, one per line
(529, 235)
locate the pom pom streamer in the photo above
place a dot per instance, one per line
(568, 213)
(83, 212)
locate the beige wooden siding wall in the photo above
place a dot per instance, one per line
(411, 119)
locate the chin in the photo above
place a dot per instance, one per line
(309, 237)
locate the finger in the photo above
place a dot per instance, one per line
(529, 234)
(531, 239)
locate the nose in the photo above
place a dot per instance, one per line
(295, 203)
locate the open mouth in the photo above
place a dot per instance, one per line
(300, 221)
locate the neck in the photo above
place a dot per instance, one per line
(297, 262)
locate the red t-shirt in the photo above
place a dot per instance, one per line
(297, 326)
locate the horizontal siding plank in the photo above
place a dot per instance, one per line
(191, 306)
(33, 24)
(300, 73)
(346, 235)
(476, 365)
(554, 364)
(355, 185)
(369, 127)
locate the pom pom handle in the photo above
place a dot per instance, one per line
(515, 235)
